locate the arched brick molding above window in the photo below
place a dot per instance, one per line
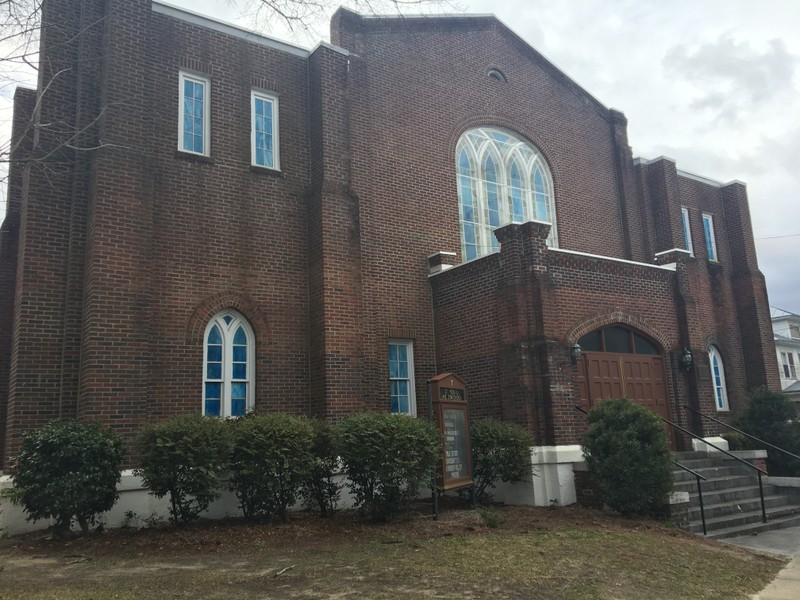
(617, 315)
(206, 310)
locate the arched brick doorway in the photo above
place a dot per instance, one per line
(618, 361)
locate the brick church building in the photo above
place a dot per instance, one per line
(214, 221)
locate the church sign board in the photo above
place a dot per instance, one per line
(449, 396)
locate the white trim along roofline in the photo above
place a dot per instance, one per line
(189, 16)
(681, 173)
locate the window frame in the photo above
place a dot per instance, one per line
(506, 148)
(412, 395)
(206, 82)
(255, 96)
(228, 331)
(787, 362)
(711, 237)
(720, 391)
(687, 230)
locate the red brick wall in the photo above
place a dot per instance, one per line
(127, 257)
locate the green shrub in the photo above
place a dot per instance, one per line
(736, 441)
(184, 457)
(772, 417)
(387, 457)
(501, 451)
(272, 456)
(67, 470)
(320, 491)
(628, 456)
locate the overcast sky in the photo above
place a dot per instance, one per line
(714, 85)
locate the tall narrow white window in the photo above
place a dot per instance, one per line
(194, 122)
(501, 179)
(711, 241)
(687, 231)
(228, 357)
(264, 131)
(401, 377)
(787, 360)
(718, 379)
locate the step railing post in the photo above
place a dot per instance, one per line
(702, 509)
(761, 493)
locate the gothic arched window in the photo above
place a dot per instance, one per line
(228, 377)
(501, 179)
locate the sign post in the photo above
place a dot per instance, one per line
(447, 404)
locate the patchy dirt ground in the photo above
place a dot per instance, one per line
(532, 553)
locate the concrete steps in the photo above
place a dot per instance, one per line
(731, 497)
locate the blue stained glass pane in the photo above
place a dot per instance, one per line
(188, 142)
(393, 352)
(188, 106)
(400, 388)
(402, 352)
(212, 408)
(268, 158)
(259, 140)
(268, 143)
(538, 181)
(259, 107)
(198, 110)
(467, 213)
(395, 405)
(213, 390)
(237, 408)
(260, 160)
(198, 91)
(187, 88)
(464, 165)
(238, 390)
(215, 337)
(472, 251)
(227, 319)
(469, 234)
(214, 353)
(198, 144)
(240, 354)
(403, 404)
(198, 126)
(542, 212)
(268, 125)
(239, 371)
(490, 170)
(214, 371)
(240, 337)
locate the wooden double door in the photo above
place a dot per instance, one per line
(637, 377)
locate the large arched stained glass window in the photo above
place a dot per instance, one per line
(228, 354)
(501, 179)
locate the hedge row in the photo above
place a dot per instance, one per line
(69, 470)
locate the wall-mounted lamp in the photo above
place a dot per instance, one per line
(686, 360)
(575, 353)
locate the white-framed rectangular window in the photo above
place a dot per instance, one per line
(711, 240)
(194, 122)
(264, 132)
(789, 370)
(687, 231)
(401, 377)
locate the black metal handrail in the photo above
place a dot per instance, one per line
(699, 491)
(759, 470)
(697, 475)
(752, 437)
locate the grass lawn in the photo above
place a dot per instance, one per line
(568, 553)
